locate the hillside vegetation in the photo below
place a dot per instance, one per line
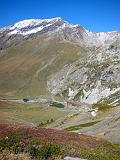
(53, 144)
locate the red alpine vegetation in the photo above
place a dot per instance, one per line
(52, 136)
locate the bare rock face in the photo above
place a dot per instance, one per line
(93, 78)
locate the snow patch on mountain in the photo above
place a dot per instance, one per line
(64, 29)
(35, 30)
(94, 112)
(31, 26)
(32, 22)
(72, 93)
(98, 93)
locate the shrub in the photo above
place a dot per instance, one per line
(41, 124)
(12, 145)
(43, 151)
(51, 120)
(45, 124)
(48, 150)
(33, 150)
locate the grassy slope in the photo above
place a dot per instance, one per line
(24, 69)
(80, 126)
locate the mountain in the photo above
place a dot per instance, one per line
(26, 29)
(54, 57)
(51, 62)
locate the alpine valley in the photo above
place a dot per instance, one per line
(58, 75)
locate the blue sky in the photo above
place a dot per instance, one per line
(94, 15)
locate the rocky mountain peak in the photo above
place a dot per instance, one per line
(55, 26)
(32, 26)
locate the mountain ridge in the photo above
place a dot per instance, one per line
(56, 26)
(50, 19)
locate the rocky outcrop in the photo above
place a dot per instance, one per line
(93, 78)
